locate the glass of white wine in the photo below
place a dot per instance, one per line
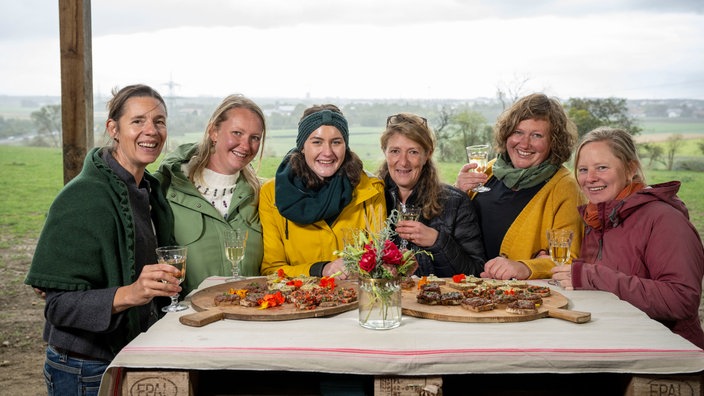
(176, 256)
(407, 212)
(479, 154)
(235, 243)
(559, 242)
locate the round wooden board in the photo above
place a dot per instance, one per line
(204, 300)
(455, 313)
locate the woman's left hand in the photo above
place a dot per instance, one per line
(562, 274)
(503, 268)
(417, 232)
(335, 267)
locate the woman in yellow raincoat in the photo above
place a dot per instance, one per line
(319, 192)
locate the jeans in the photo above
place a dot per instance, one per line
(66, 375)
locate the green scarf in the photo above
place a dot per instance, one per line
(304, 206)
(520, 179)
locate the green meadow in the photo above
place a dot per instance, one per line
(31, 178)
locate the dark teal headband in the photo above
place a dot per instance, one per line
(314, 121)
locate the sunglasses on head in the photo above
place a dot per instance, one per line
(396, 118)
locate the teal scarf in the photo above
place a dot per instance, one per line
(520, 179)
(304, 206)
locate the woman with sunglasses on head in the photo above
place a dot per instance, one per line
(448, 226)
(531, 190)
(212, 187)
(319, 191)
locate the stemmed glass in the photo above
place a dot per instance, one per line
(235, 243)
(407, 212)
(479, 154)
(176, 256)
(559, 242)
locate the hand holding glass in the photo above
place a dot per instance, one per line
(407, 212)
(559, 242)
(175, 256)
(479, 154)
(235, 243)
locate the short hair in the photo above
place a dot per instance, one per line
(563, 132)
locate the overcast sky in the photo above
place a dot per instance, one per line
(368, 48)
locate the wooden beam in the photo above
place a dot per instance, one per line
(76, 83)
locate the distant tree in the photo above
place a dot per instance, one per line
(673, 143)
(444, 132)
(592, 113)
(467, 128)
(701, 147)
(48, 123)
(653, 152)
(13, 127)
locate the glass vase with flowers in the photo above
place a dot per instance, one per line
(379, 264)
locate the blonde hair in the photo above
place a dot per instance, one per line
(622, 147)
(204, 152)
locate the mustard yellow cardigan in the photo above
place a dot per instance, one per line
(554, 206)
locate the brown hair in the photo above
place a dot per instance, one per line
(563, 132)
(220, 115)
(429, 188)
(116, 105)
(352, 165)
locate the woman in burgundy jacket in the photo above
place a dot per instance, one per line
(638, 242)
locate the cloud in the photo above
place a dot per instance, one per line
(370, 49)
(39, 18)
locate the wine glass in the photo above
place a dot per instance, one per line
(479, 154)
(559, 242)
(235, 243)
(176, 256)
(407, 212)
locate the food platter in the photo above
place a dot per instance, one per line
(553, 306)
(203, 301)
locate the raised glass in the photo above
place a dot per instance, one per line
(175, 256)
(479, 154)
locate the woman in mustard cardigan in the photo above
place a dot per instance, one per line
(531, 190)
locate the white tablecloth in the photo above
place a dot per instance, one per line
(618, 339)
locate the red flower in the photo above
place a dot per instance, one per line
(295, 283)
(271, 300)
(458, 278)
(368, 260)
(280, 273)
(391, 254)
(328, 282)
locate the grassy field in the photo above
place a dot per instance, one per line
(31, 178)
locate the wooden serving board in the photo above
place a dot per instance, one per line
(552, 306)
(203, 301)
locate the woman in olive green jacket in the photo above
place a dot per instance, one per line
(212, 187)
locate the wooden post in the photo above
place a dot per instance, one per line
(76, 84)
